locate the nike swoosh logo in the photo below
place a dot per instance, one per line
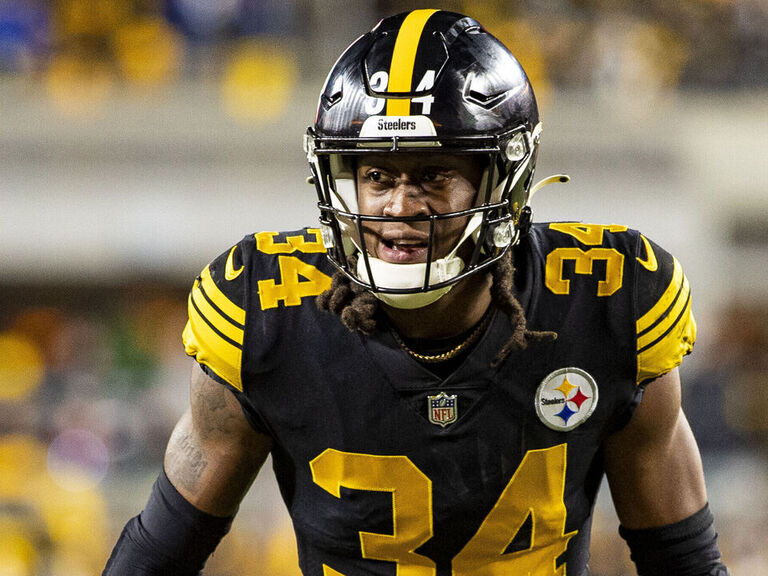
(229, 270)
(650, 262)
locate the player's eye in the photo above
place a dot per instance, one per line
(377, 176)
(434, 177)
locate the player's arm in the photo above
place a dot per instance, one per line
(657, 484)
(212, 458)
(214, 454)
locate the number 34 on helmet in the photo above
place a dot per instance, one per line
(425, 81)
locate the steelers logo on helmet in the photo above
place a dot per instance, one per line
(566, 398)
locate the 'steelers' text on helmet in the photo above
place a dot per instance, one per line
(424, 81)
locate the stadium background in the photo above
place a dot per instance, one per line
(140, 138)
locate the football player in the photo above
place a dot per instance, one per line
(440, 383)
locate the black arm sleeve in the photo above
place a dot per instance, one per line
(685, 548)
(170, 537)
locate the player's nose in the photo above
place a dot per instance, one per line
(406, 199)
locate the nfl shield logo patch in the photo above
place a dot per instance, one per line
(442, 409)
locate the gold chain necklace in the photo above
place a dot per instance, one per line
(453, 352)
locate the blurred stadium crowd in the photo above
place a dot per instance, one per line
(93, 377)
(82, 51)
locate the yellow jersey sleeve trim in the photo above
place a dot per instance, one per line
(667, 332)
(219, 299)
(668, 352)
(211, 348)
(215, 318)
(215, 330)
(668, 318)
(667, 299)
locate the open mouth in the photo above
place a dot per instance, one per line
(403, 250)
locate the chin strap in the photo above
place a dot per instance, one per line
(411, 276)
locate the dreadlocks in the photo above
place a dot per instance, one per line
(357, 307)
(503, 295)
(354, 304)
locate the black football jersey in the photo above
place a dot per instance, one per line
(387, 468)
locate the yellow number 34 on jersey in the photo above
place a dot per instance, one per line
(291, 288)
(536, 489)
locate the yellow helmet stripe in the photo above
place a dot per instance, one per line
(403, 60)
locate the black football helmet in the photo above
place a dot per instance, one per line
(424, 81)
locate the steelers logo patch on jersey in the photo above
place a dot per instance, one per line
(566, 398)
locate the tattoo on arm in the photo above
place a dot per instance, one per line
(195, 462)
(212, 413)
(214, 454)
(184, 459)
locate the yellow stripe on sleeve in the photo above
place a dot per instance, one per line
(214, 317)
(668, 317)
(404, 59)
(210, 348)
(667, 331)
(664, 302)
(668, 352)
(219, 299)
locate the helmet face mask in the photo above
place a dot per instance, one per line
(422, 83)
